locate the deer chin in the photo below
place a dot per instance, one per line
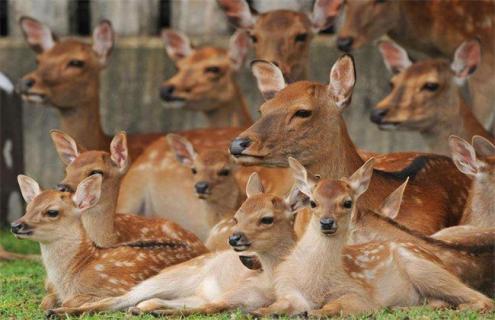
(35, 98)
(241, 247)
(25, 234)
(389, 126)
(248, 160)
(175, 104)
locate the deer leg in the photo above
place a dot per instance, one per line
(157, 303)
(50, 300)
(292, 305)
(348, 304)
(9, 256)
(209, 308)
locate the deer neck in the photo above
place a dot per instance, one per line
(233, 112)
(480, 208)
(223, 207)
(99, 221)
(82, 121)
(271, 259)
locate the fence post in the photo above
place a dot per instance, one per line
(296, 5)
(186, 18)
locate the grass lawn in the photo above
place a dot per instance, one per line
(21, 290)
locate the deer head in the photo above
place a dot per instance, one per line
(111, 166)
(205, 76)
(365, 21)
(476, 160)
(282, 37)
(426, 92)
(52, 215)
(263, 221)
(67, 71)
(297, 120)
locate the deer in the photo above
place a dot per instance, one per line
(219, 281)
(303, 120)
(433, 28)
(282, 36)
(325, 275)
(79, 270)
(426, 96)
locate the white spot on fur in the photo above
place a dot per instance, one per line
(99, 267)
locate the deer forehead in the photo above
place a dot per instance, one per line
(205, 55)
(428, 70)
(282, 21)
(327, 191)
(90, 158)
(299, 94)
(213, 158)
(71, 49)
(48, 199)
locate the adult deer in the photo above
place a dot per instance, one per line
(282, 36)
(432, 27)
(219, 281)
(303, 120)
(426, 96)
(326, 276)
(79, 270)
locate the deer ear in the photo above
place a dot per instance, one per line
(238, 48)
(360, 180)
(29, 187)
(296, 199)
(176, 44)
(238, 13)
(303, 180)
(66, 147)
(483, 146)
(324, 14)
(463, 156)
(342, 81)
(184, 150)
(269, 78)
(467, 58)
(118, 150)
(88, 192)
(254, 185)
(38, 35)
(394, 56)
(391, 205)
(103, 39)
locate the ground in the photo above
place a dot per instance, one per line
(21, 290)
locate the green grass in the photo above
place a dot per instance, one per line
(21, 290)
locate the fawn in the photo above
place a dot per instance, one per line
(304, 120)
(435, 28)
(326, 276)
(219, 281)
(79, 270)
(426, 96)
(214, 182)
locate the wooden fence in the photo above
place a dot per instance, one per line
(129, 94)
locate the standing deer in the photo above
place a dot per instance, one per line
(79, 270)
(219, 281)
(303, 120)
(282, 36)
(326, 276)
(426, 96)
(435, 28)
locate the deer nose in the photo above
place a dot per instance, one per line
(26, 84)
(238, 145)
(345, 43)
(201, 187)
(327, 223)
(235, 238)
(17, 227)
(377, 115)
(167, 91)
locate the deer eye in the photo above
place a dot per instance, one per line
(266, 220)
(194, 171)
(213, 69)
(253, 38)
(93, 172)
(312, 204)
(303, 113)
(347, 204)
(76, 63)
(224, 172)
(52, 213)
(301, 37)
(430, 86)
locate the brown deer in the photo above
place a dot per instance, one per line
(79, 270)
(432, 27)
(282, 36)
(426, 96)
(326, 276)
(303, 120)
(214, 183)
(219, 281)
(206, 79)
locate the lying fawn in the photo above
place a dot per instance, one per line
(304, 120)
(282, 36)
(214, 182)
(435, 28)
(426, 96)
(101, 222)
(79, 270)
(206, 79)
(219, 281)
(326, 276)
